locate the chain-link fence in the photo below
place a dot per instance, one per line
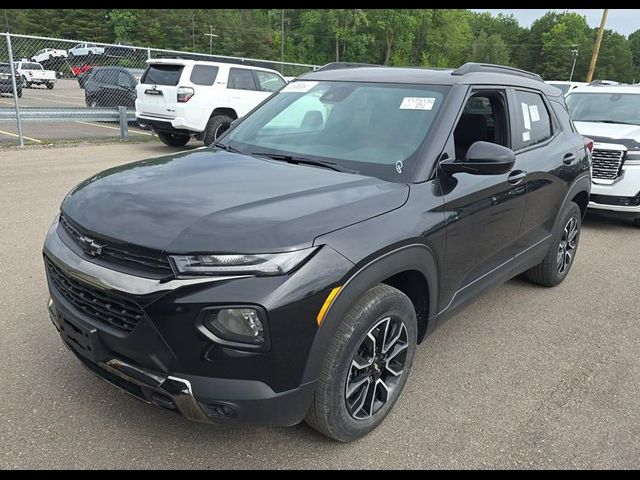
(60, 90)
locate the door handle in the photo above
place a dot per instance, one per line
(517, 176)
(569, 158)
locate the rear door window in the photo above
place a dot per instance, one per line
(204, 74)
(159, 74)
(241, 79)
(533, 120)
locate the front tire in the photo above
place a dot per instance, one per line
(556, 265)
(366, 367)
(216, 126)
(50, 85)
(637, 222)
(173, 139)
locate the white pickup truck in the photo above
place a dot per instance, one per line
(32, 73)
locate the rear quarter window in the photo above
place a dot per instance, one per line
(159, 74)
(204, 75)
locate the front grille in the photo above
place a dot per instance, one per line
(137, 258)
(101, 306)
(606, 164)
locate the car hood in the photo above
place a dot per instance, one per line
(628, 135)
(216, 201)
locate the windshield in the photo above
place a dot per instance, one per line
(621, 108)
(371, 128)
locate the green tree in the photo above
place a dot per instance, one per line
(566, 32)
(489, 49)
(615, 59)
(634, 46)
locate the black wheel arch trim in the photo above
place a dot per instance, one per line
(417, 256)
(581, 184)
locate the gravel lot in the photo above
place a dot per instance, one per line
(525, 377)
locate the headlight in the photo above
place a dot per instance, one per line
(241, 325)
(633, 158)
(225, 264)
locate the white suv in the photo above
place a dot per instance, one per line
(181, 99)
(610, 116)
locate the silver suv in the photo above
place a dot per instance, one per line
(610, 115)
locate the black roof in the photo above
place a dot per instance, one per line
(469, 73)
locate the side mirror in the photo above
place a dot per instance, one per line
(483, 158)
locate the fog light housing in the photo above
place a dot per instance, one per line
(243, 325)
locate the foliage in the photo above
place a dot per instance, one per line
(430, 37)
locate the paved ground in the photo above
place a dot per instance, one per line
(65, 94)
(526, 377)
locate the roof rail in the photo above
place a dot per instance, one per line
(340, 65)
(473, 67)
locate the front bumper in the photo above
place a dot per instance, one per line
(165, 360)
(618, 195)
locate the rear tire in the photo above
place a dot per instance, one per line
(556, 265)
(637, 222)
(50, 85)
(360, 380)
(173, 139)
(25, 82)
(216, 126)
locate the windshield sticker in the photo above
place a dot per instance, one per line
(525, 116)
(399, 166)
(298, 87)
(526, 136)
(533, 110)
(417, 103)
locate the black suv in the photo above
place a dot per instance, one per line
(110, 87)
(289, 271)
(6, 85)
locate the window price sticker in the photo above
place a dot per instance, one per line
(298, 87)
(417, 103)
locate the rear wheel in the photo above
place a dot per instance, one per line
(556, 265)
(173, 139)
(216, 126)
(367, 365)
(50, 85)
(637, 222)
(25, 82)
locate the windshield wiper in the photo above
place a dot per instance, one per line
(609, 121)
(294, 159)
(226, 146)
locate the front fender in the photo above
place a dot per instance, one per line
(416, 256)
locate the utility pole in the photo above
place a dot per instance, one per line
(210, 35)
(282, 37)
(575, 57)
(193, 30)
(596, 48)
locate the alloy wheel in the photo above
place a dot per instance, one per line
(376, 368)
(567, 246)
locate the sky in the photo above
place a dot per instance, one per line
(624, 21)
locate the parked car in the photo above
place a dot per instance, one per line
(566, 87)
(32, 73)
(288, 275)
(82, 72)
(85, 49)
(181, 98)
(6, 85)
(110, 87)
(48, 54)
(610, 115)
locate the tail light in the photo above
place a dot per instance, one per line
(589, 144)
(185, 94)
